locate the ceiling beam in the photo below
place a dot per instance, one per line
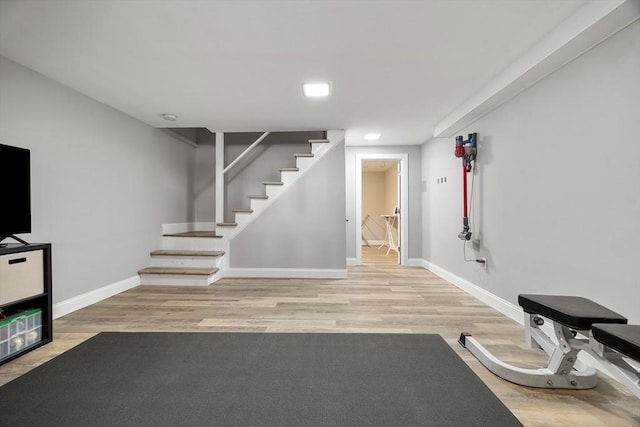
(593, 23)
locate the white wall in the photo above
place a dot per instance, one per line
(556, 202)
(102, 183)
(414, 207)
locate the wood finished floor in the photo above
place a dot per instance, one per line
(379, 296)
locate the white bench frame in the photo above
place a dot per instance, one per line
(563, 370)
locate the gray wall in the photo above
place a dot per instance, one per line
(556, 203)
(262, 163)
(304, 227)
(102, 183)
(414, 202)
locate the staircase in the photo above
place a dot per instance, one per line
(195, 254)
(188, 257)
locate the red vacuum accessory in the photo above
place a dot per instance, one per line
(466, 150)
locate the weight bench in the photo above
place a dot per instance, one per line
(610, 340)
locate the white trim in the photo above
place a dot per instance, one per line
(510, 310)
(414, 262)
(589, 26)
(352, 262)
(286, 273)
(244, 153)
(220, 180)
(84, 300)
(403, 158)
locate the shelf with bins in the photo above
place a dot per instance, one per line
(25, 299)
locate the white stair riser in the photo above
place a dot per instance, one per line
(258, 204)
(242, 218)
(273, 190)
(192, 243)
(303, 162)
(176, 279)
(189, 226)
(225, 231)
(288, 176)
(185, 261)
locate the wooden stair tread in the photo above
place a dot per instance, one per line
(303, 155)
(242, 210)
(273, 183)
(289, 169)
(259, 196)
(175, 252)
(179, 270)
(226, 224)
(318, 141)
(193, 234)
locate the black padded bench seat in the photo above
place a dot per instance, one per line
(622, 338)
(574, 312)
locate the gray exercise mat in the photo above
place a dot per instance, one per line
(252, 379)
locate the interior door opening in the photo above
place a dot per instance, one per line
(380, 211)
(380, 208)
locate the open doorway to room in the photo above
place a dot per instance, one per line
(380, 208)
(381, 201)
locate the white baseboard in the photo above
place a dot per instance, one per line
(503, 306)
(352, 262)
(286, 273)
(414, 262)
(76, 303)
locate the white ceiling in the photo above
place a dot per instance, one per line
(396, 67)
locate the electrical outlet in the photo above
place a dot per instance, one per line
(484, 262)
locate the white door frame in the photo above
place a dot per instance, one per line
(403, 158)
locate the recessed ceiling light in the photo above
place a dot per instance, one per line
(170, 117)
(372, 136)
(315, 90)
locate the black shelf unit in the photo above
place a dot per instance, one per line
(41, 301)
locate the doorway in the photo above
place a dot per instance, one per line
(381, 206)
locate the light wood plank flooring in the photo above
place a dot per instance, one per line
(377, 297)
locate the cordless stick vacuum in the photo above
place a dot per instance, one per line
(467, 150)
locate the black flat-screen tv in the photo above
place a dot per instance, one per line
(15, 191)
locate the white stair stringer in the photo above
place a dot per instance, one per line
(288, 178)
